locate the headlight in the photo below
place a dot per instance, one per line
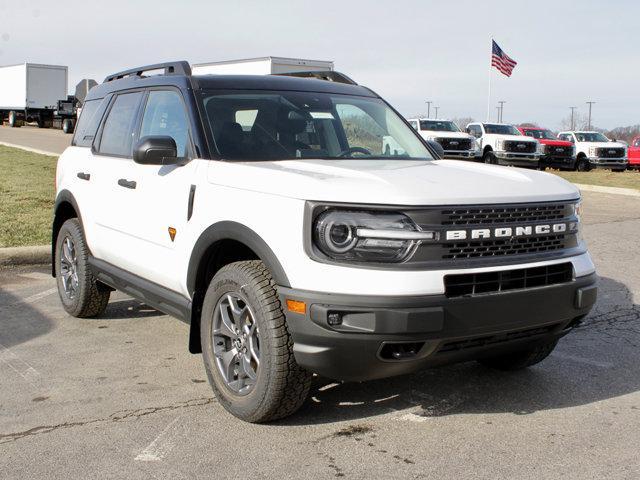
(577, 210)
(593, 152)
(431, 138)
(499, 144)
(573, 150)
(368, 236)
(540, 148)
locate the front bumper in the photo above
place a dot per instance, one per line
(597, 162)
(438, 329)
(460, 154)
(518, 159)
(557, 162)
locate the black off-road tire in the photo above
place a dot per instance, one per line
(67, 125)
(490, 158)
(92, 297)
(582, 165)
(281, 386)
(520, 359)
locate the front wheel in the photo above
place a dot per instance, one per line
(247, 348)
(13, 119)
(490, 158)
(81, 294)
(522, 358)
(583, 165)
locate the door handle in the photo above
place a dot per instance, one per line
(127, 183)
(84, 176)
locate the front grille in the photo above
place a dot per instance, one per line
(558, 151)
(610, 152)
(520, 147)
(487, 340)
(499, 248)
(495, 215)
(467, 284)
(455, 143)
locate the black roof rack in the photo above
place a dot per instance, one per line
(170, 68)
(331, 76)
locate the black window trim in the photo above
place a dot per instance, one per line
(191, 149)
(95, 146)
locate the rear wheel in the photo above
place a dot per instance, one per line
(522, 358)
(81, 294)
(582, 165)
(246, 345)
(67, 125)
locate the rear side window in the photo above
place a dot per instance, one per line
(118, 130)
(87, 126)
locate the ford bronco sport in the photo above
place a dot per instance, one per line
(264, 212)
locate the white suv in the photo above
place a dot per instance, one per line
(595, 150)
(264, 212)
(456, 144)
(500, 143)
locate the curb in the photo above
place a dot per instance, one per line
(37, 255)
(29, 149)
(631, 192)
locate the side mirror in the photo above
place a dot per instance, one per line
(156, 150)
(437, 148)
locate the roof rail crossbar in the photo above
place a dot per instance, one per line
(170, 68)
(331, 76)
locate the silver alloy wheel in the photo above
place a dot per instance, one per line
(236, 343)
(69, 267)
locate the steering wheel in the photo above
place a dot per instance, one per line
(349, 150)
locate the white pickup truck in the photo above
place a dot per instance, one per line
(595, 150)
(456, 144)
(500, 143)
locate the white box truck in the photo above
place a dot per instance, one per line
(30, 92)
(262, 66)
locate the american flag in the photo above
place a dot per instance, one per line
(501, 60)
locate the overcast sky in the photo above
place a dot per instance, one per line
(568, 52)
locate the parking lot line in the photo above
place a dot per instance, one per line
(22, 368)
(587, 361)
(37, 296)
(161, 445)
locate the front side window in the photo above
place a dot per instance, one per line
(540, 134)
(118, 130)
(90, 116)
(438, 126)
(277, 125)
(165, 115)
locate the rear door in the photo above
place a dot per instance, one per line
(116, 181)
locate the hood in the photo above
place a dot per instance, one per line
(393, 182)
(440, 134)
(517, 138)
(555, 143)
(604, 144)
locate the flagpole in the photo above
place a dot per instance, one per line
(490, 78)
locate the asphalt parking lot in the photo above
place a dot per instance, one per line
(44, 139)
(120, 396)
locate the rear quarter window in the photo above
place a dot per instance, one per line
(90, 116)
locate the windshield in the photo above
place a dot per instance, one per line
(591, 137)
(542, 133)
(269, 125)
(438, 126)
(500, 129)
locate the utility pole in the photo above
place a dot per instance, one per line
(589, 123)
(498, 115)
(428, 102)
(501, 102)
(436, 109)
(573, 125)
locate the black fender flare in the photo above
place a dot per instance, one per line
(64, 196)
(228, 230)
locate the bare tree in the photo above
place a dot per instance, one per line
(462, 122)
(580, 122)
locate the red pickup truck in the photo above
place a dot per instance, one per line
(557, 153)
(634, 153)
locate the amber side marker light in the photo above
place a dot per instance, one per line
(296, 306)
(172, 233)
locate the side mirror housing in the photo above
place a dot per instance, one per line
(437, 148)
(156, 150)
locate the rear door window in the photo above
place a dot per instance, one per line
(119, 127)
(90, 116)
